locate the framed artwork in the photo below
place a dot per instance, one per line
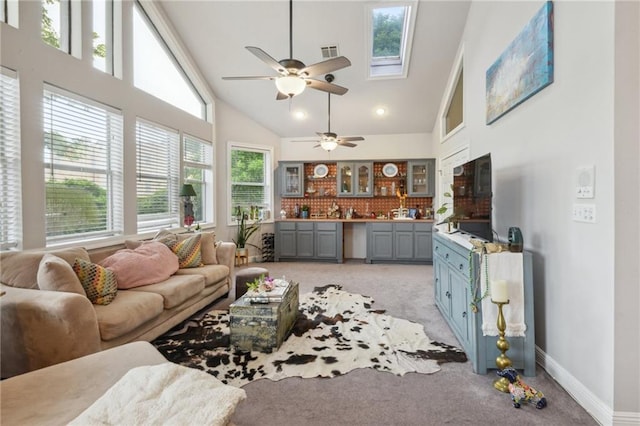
(524, 68)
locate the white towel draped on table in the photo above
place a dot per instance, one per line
(504, 266)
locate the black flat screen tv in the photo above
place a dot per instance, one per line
(472, 193)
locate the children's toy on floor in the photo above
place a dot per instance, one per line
(520, 391)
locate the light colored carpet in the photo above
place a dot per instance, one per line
(453, 396)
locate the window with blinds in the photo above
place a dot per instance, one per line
(250, 169)
(158, 160)
(197, 156)
(10, 182)
(82, 168)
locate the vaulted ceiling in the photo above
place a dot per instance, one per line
(216, 32)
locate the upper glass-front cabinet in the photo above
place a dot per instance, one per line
(355, 179)
(421, 177)
(292, 179)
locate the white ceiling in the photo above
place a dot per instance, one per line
(216, 32)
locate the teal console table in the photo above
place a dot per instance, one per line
(452, 273)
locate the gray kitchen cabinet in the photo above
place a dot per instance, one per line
(304, 240)
(291, 179)
(402, 242)
(355, 179)
(308, 240)
(453, 270)
(421, 178)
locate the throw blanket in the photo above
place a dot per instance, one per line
(335, 332)
(504, 266)
(166, 394)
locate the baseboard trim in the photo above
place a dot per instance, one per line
(583, 396)
(622, 418)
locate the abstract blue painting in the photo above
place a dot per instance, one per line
(524, 68)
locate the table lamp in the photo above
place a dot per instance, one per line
(186, 192)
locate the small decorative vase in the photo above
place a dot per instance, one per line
(304, 214)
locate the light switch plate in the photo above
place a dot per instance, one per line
(586, 180)
(584, 213)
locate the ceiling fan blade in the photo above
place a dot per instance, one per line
(267, 59)
(306, 140)
(351, 138)
(325, 67)
(281, 96)
(349, 144)
(317, 146)
(326, 87)
(320, 134)
(257, 77)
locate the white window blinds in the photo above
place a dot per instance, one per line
(158, 161)
(82, 168)
(198, 171)
(10, 182)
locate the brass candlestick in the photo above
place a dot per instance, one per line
(502, 361)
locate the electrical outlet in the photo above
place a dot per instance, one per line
(584, 213)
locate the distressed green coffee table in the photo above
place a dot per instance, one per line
(263, 326)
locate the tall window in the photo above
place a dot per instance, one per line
(198, 171)
(158, 159)
(103, 35)
(390, 33)
(10, 183)
(156, 71)
(82, 168)
(250, 176)
(3, 11)
(56, 18)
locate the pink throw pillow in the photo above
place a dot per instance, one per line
(150, 263)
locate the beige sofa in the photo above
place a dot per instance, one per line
(42, 327)
(58, 394)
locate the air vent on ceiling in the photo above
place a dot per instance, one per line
(329, 52)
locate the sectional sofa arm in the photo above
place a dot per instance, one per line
(42, 328)
(226, 254)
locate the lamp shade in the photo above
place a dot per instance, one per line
(290, 85)
(187, 190)
(328, 144)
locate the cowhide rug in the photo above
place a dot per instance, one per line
(335, 332)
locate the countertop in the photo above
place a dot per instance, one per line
(362, 220)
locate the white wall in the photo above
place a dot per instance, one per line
(374, 147)
(536, 149)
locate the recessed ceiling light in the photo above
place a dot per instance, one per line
(300, 115)
(381, 111)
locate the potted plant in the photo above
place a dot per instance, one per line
(445, 207)
(305, 211)
(244, 232)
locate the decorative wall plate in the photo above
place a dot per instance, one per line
(389, 170)
(320, 171)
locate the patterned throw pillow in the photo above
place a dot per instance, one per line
(188, 251)
(99, 283)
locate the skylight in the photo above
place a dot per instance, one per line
(389, 35)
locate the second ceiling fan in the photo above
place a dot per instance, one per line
(329, 140)
(294, 76)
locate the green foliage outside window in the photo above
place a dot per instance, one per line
(387, 33)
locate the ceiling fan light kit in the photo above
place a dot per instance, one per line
(290, 85)
(328, 144)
